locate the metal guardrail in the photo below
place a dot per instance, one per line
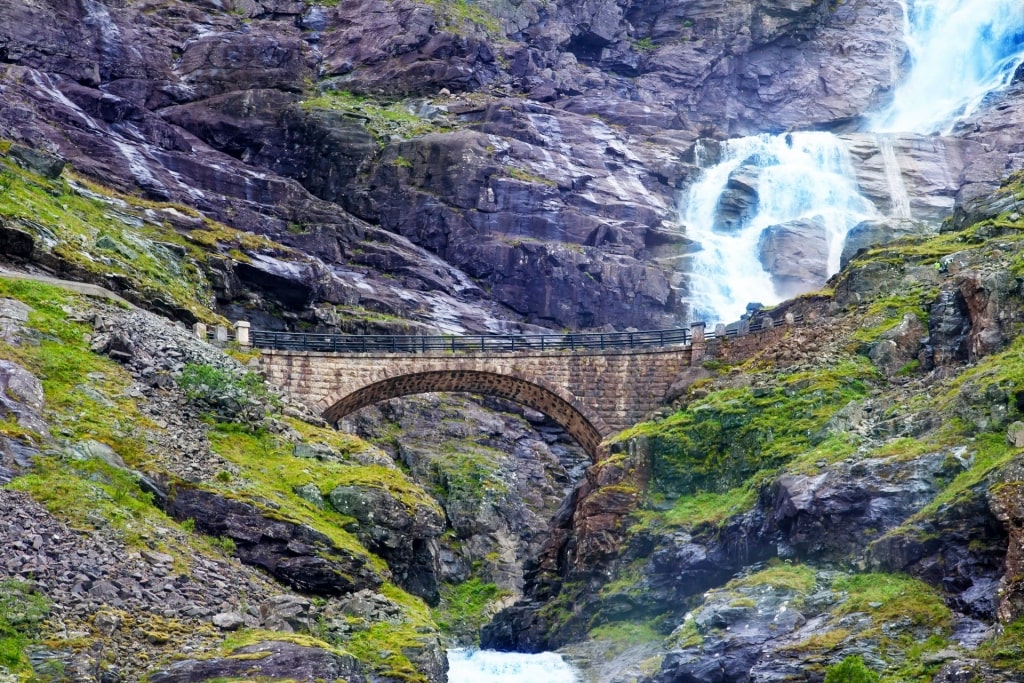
(295, 341)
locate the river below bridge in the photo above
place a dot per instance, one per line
(490, 666)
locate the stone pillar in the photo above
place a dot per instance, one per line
(790, 318)
(720, 331)
(767, 323)
(199, 330)
(698, 344)
(242, 333)
(220, 335)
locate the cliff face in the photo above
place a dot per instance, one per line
(495, 166)
(537, 149)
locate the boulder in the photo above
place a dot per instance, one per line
(796, 255)
(293, 553)
(21, 397)
(403, 532)
(269, 660)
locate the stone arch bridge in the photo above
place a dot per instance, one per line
(592, 385)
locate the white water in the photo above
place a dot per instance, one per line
(489, 666)
(960, 50)
(800, 176)
(894, 177)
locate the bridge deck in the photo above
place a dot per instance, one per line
(341, 343)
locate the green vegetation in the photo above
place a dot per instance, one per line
(465, 608)
(850, 670)
(620, 636)
(644, 44)
(382, 120)
(387, 646)
(798, 578)
(108, 235)
(720, 441)
(527, 177)
(887, 598)
(462, 15)
(22, 612)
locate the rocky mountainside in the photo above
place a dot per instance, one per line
(840, 504)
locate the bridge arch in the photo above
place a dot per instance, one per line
(581, 422)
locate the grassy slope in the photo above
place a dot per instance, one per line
(712, 457)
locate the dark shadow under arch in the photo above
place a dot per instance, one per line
(579, 421)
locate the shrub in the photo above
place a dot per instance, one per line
(850, 670)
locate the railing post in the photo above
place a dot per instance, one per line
(661, 337)
(698, 346)
(512, 338)
(542, 342)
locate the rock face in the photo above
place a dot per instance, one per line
(297, 555)
(532, 138)
(272, 660)
(405, 538)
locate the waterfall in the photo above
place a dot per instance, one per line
(489, 666)
(798, 190)
(894, 177)
(800, 180)
(960, 51)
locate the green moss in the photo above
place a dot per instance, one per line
(720, 441)
(850, 670)
(382, 120)
(886, 313)
(888, 598)
(107, 236)
(462, 15)
(620, 636)
(1006, 650)
(387, 646)
(466, 607)
(527, 177)
(798, 578)
(698, 510)
(22, 612)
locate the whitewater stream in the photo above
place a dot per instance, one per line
(488, 666)
(960, 52)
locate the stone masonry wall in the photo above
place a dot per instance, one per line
(591, 395)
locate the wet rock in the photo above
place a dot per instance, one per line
(37, 160)
(899, 346)
(402, 532)
(739, 201)
(269, 660)
(296, 554)
(796, 255)
(876, 233)
(21, 397)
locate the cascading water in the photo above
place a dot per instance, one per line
(961, 50)
(800, 178)
(488, 666)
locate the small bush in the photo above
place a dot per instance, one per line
(232, 396)
(850, 670)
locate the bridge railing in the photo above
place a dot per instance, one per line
(296, 341)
